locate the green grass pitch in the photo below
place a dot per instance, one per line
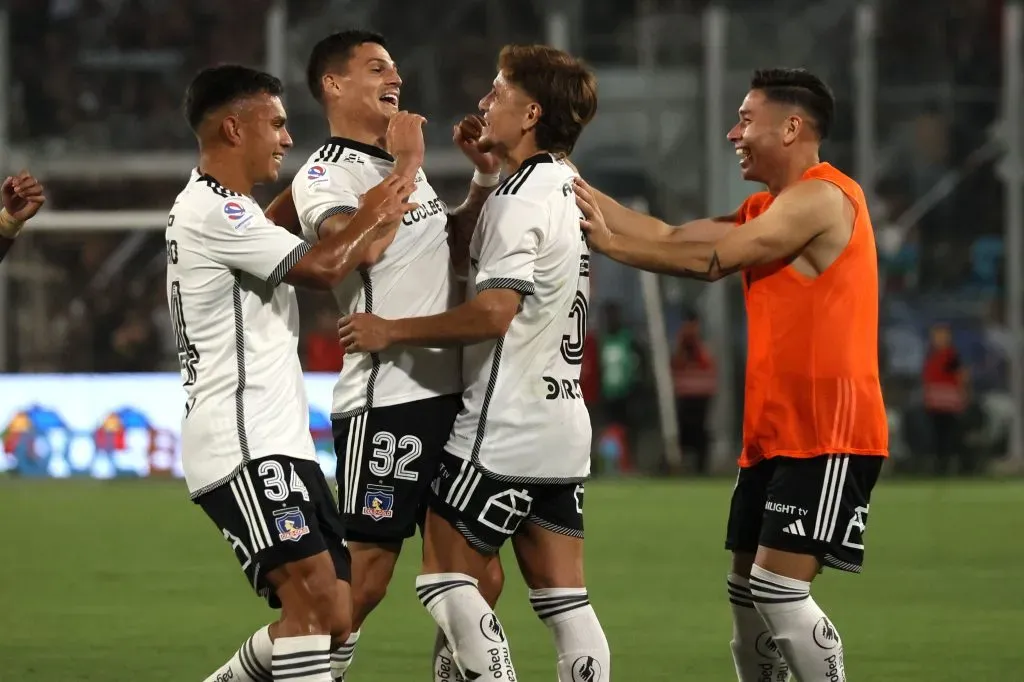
(119, 581)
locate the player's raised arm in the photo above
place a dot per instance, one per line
(799, 215)
(243, 239)
(629, 223)
(462, 221)
(342, 250)
(22, 199)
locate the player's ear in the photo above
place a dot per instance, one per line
(532, 116)
(791, 128)
(329, 83)
(231, 129)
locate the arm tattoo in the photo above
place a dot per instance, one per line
(714, 271)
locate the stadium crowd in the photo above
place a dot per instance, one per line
(121, 91)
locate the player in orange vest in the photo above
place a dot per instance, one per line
(814, 430)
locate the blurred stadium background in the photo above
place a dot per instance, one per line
(130, 580)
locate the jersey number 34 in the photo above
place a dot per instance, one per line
(188, 356)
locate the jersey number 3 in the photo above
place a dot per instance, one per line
(572, 343)
(188, 356)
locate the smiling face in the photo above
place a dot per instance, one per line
(763, 135)
(365, 88)
(509, 115)
(264, 138)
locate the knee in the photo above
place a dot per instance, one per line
(315, 604)
(493, 581)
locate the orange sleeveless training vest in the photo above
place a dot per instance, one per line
(812, 385)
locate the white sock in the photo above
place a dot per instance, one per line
(305, 659)
(474, 633)
(808, 640)
(341, 658)
(251, 663)
(754, 652)
(582, 647)
(445, 669)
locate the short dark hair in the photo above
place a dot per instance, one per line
(333, 49)
(801, 88)
(215, 86)
(563, 86)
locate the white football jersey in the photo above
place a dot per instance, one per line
(523, 418)
(237, 328)
(413, 278)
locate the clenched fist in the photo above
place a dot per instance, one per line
(404, 140)
(466, 136)
(22, 196)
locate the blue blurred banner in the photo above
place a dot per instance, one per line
(114, 425)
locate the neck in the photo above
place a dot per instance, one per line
(526, 148)
(343, 127)
(793, 169)
(228, 173)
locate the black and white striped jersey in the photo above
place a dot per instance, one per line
(524, 418)
(237, 328)
(413, 278)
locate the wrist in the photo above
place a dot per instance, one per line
(408, 164)
(612, 244)
(485, 179)
(9, 226)
(397, 332)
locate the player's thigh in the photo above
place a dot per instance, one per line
(549, 545)
(817, 510)
(267, 515)
(387, 458)
(320, 582)
(746, 510)
(329, 519)
(471, 515)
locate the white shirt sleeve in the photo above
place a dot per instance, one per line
(320, 191)
(511, 231)
(237, 235)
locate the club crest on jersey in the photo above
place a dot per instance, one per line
(237, 216)
(378, 502)
(291, 524)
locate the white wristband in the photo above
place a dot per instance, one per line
(486, 179)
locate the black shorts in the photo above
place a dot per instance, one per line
(816, 506)
(488, 511)
(387, 458)
(275, 511)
